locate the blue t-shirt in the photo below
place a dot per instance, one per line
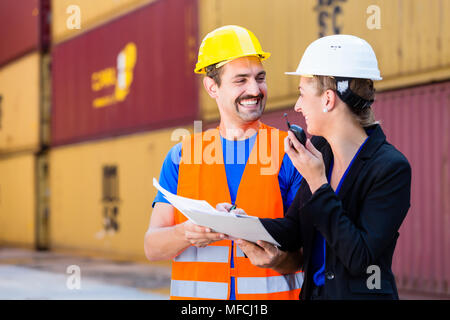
(235, 155)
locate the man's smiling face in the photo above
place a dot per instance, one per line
(242, 94)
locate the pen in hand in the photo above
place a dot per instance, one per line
(231, 209)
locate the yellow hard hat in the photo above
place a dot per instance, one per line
(227, 43)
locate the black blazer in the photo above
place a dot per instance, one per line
(360, 224)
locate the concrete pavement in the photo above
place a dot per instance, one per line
(28, 274)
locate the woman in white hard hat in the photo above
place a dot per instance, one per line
(356, 188)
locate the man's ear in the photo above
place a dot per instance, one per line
(210, 86)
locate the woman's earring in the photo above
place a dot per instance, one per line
(325, 110)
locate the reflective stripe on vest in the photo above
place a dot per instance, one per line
(257, 285)
(199, 289)
(205, 273)
(239, 252)
(206, 254)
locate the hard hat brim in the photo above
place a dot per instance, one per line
(299, 74)
(262, 56)
(310, 75)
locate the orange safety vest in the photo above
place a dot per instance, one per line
(204, 273)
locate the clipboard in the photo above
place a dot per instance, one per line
(200, 212)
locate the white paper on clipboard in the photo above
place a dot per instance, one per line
(202, 213)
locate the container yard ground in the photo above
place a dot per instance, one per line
(42, 275)
(28, 274)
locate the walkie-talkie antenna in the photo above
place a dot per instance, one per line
(297, 130)
(287, 121)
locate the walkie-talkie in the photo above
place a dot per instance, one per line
(297, 130)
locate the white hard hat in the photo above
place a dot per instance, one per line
(341, 56)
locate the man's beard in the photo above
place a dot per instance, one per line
(252, 115)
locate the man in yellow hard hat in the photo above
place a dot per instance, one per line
(242, 162)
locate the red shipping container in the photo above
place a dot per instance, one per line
(133, 74)
(417, 121)
(24, 27)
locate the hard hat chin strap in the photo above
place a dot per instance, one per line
(348, 96)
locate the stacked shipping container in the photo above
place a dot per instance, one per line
(18, 199)
(132, 74)
(74, 17)
(102, 192)
(126, 77)
(417, 121)
(124, 80)
(24, 39)
(24, 28)
(411, 38)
